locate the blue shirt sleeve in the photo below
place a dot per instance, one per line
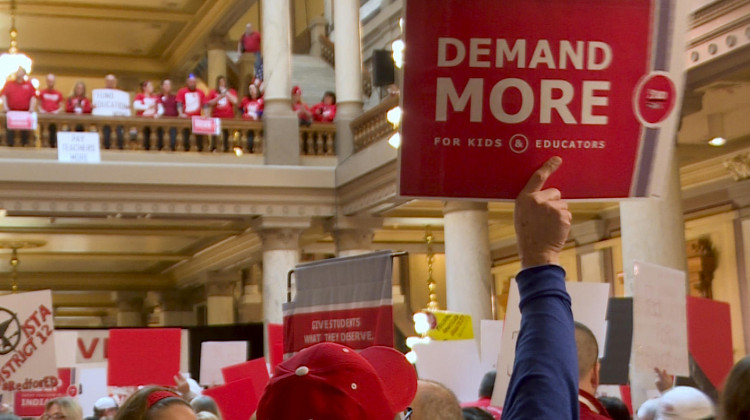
(544, 382)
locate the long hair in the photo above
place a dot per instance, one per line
(141, 405)
(735, 400)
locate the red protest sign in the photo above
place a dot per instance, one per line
(710, 338)
(236, 400)
(21, 120)
(30, 402)
(492, 89)
(204, 125)
(254, 369)
(275, 344)
(143, 356)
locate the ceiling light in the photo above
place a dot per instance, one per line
(717, 141)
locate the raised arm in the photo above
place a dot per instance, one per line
(544, 383)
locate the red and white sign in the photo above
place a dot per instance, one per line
(21, 120)
(492, 89)
(209, 126)
(30, 402)
(341, 300)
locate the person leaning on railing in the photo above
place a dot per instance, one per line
(18, 95)
(325, 111)
(222, 101)
(50, 101)
(190, 103)
(167, 107)
(145, 105)
(252, 110)
(78, 103)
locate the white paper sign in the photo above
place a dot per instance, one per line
(218, 354)
(27, 343)
(110, 103)
(589, 307)
(491, 335)
(65, 348)
(659, 325)
(76, 147)
(453, 363)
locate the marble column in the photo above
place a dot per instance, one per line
(130, 309)
(317, 30)
(353, 235)
(467, 260)
(348, 73)
(251, 303)
(172, 310)
(281, 143)
(653, 230)
(217, 60)
(220, 297)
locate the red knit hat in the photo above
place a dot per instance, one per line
(329, 381)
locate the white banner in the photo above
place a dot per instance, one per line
(27, 345)
(110, 103)
(76, 147)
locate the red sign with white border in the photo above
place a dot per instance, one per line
(30, 403)
(204, 125)
(21, 120)
(492, 89)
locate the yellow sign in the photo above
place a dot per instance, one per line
(451, 326)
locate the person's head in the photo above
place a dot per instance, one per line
(147, 87)
(20, 75)
(647, 410)
(105, 407)
(435, 402)
(190, 82)
(50, 81)
(735, 400)
(221, 82)
(475, 413)
(329, 98)
(684, 403)
(588, 359)
(63, 408)
(487, 386)
(166, 86)
(204, 403)
(110, 81)
(615, 407)
(249, 28)
(296, 94)
(79, 90)
(205, 415)
(333, 382)
(252, 91)
(155, 403)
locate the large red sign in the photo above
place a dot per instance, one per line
(492, 89)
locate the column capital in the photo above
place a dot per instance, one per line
(221, 283)
(451, 206)
(216, 42)
(129, 301)
(280, 233)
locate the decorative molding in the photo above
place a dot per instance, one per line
(739, 166)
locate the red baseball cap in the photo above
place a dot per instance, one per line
(329, 381)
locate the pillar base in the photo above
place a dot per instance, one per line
(281, 126)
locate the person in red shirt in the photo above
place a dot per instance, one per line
(190, 103)
(252, 109)
(250, 42)
(167, 107)
(222, 101)
(325, 111)
(300, 107)
(19, 95)
(78, 103)
(145, 105)
(49, 101)
(588, 375)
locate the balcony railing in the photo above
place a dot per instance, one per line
(372, 125)
(168, 134)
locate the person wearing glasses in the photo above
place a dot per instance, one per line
(63, 408)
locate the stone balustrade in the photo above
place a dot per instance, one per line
(372, 125)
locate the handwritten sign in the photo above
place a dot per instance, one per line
(492, 89)
(21, 120)
(209, 126)
(27, 348)
(218, 354)
(589, 307)
(110, 103)
(75, 147)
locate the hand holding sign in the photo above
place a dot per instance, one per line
(542, 219)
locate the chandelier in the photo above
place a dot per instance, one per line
(13, 59)
(14, 246)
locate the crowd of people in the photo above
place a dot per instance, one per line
(220, 102)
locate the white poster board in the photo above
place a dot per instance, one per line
(65, 347)
(218, 354)
(77, 147)
(589, 307)
(453, 363)
(491, 336)
(27, 348)
(110, 103)
(659, 326)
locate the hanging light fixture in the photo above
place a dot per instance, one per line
(14, 246)
(424, 320)
(13, 59)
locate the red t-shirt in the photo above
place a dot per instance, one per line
(298, 108)
(49, 100)
(251, 43)
(192, 101)
(145, 101)
(252, 109)
(323, 113)
(223, 108)
(76, 105)
(19, 95)
(169, 105)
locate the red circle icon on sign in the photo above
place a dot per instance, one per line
(72, 390)
(655, 98)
